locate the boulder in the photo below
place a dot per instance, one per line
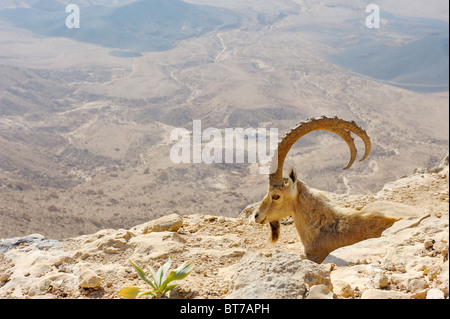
(383, 294)
(409, 258)
(434, 293)
(89, 279)
(171, 223)
(320, 292)
(281, 275)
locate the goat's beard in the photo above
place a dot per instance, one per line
(275, 228)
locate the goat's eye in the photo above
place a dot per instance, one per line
(275, 197)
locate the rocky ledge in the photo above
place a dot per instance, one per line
(235, 259)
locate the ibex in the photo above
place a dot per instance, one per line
(322, 226)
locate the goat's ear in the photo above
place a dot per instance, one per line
(293, 174)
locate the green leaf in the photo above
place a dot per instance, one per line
(182, 271)
(165, 268)
(161, 273)
(179, 273)
(150, 292)
(153, 272)
(169, 288)
(130, 292)
(142, 274)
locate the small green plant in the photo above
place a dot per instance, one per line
(160, 284)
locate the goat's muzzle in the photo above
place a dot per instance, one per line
(259, 219)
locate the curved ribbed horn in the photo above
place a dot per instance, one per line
(335, 125)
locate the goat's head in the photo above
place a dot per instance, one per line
(283, 193)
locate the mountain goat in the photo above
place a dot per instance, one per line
(322, 226)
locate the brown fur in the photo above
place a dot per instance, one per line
(275, 228)
(322, 225)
